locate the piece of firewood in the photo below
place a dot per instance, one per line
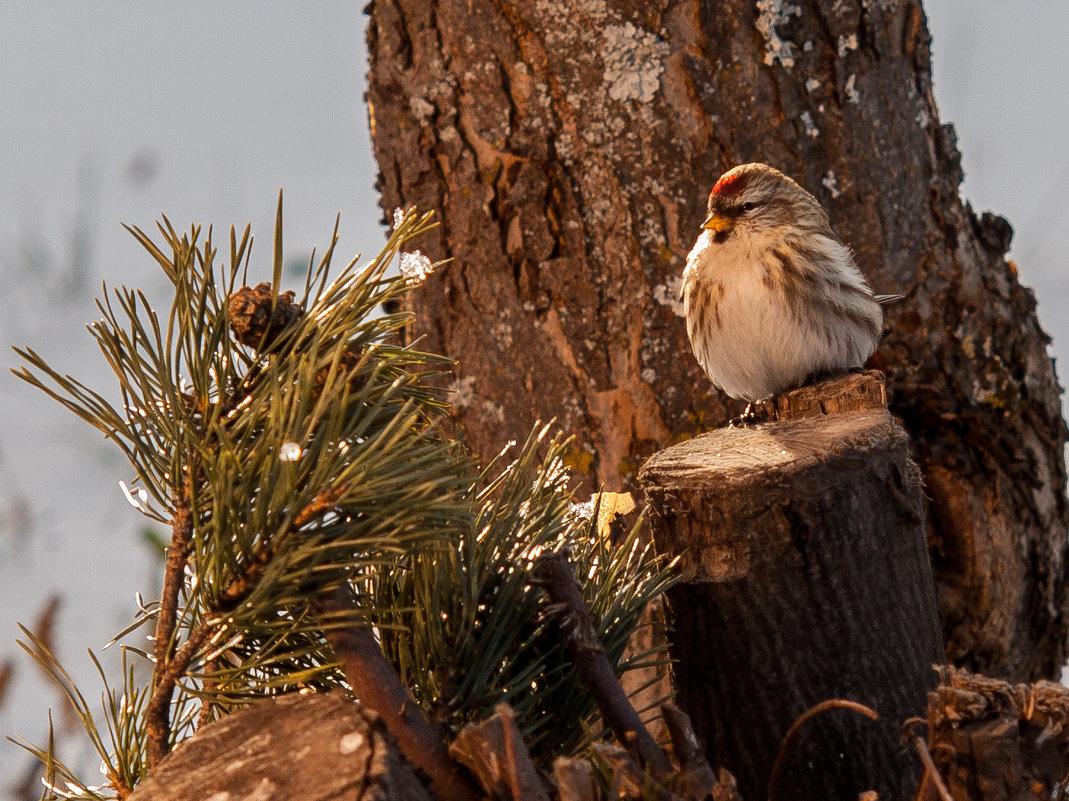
(318, 747)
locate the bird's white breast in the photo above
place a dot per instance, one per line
(745, 332)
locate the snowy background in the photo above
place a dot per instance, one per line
(115, 112)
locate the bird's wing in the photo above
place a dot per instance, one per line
(888, 298)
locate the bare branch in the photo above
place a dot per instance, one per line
(166, 672)
(554, 574)
(377, 686)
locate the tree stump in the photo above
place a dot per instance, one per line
(806, 578)
(319, 747)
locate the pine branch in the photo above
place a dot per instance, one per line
(244, 580)
(121, 757)
(465, 630)
(291, 445)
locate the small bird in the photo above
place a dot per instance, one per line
(772, 297)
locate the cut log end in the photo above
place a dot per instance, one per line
(852, 392)
(706, 493)
(814, 422)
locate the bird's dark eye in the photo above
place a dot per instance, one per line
(749, 206)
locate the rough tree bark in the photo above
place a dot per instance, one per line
(568, 148)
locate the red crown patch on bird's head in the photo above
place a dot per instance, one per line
(730, 184)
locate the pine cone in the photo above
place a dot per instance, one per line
(254, 323)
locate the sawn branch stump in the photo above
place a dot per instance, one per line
(806, 578)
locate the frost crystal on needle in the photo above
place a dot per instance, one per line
(580, 513)
(415, 267)
(290, 452)
(398, 217)
(137, 497)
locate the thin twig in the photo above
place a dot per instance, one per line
(377, 686)
(158, 711)
(554, 574)
(208, 684)
(931, 770)
(792, 733)
(164, 681)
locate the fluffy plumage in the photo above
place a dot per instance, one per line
(772, 297)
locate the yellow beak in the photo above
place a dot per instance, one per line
(718, 223)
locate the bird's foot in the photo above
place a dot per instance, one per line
(748, 418)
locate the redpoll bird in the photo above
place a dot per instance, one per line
(772, 298)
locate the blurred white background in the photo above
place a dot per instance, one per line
(115, 112)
